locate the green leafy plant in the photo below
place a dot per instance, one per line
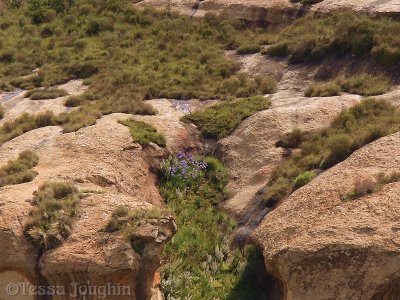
(219, 120)
(144, 133)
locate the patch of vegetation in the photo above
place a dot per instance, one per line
(366, 186)
(219, 120)
(312, 38)
(144, 133)
(82, 117)
(352, 129)
(198, 262)
(127, 220)
(25, 123)
(39, 94)
(125, 55)
(50, 222)
(19, 170)
(74, 101)
(248, 49)
(364, 84)
(323, 90)
(1, 112)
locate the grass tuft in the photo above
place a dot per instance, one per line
(352, 129)
(39, 94)
(144, 133)
(50, 222)
(364, 84)
(19, 170)
(219, 120)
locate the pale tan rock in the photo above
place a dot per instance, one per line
(274, 11)
(250, 152)
(323, 248)
(102, 161)
(17, 105)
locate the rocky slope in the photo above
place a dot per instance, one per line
(103, 162)
(321, 247)
(273, 11)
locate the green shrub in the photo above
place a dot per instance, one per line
(292, 139)
(312, 38)
(219, 120)
(278, 50)
(248, 49)
(366, 85)
(128, 220)
(386, 55)
(323, 90)
(25, 123)
(351, 130)
(19, 170)
(38, 94)
(1, 112)
(50, 222)
(144, 133)
(303, 179)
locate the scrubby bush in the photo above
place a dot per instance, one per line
(363, 187)
(1, 112)
(366, 85)
(38, 94)
(51, 221)
(292, 139)
(248, 49)
(363, 84)
(144, 133)
(75, 101)
(128, 219)
(303, 179)
(312, 38)
(19, 170)
(219, 120)
(25, 123)
(351, 130)
(323, 90)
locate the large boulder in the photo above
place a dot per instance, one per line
(321, 247)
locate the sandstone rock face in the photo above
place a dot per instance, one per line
(324, 248)
(103, 162)
(15, 103)
(383, 7)
(250, 152)
(273, 11)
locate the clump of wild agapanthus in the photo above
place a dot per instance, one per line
(184, 169)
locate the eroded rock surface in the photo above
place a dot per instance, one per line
(250, 152)
(322, 247)
(273, 11)
(111, 170)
